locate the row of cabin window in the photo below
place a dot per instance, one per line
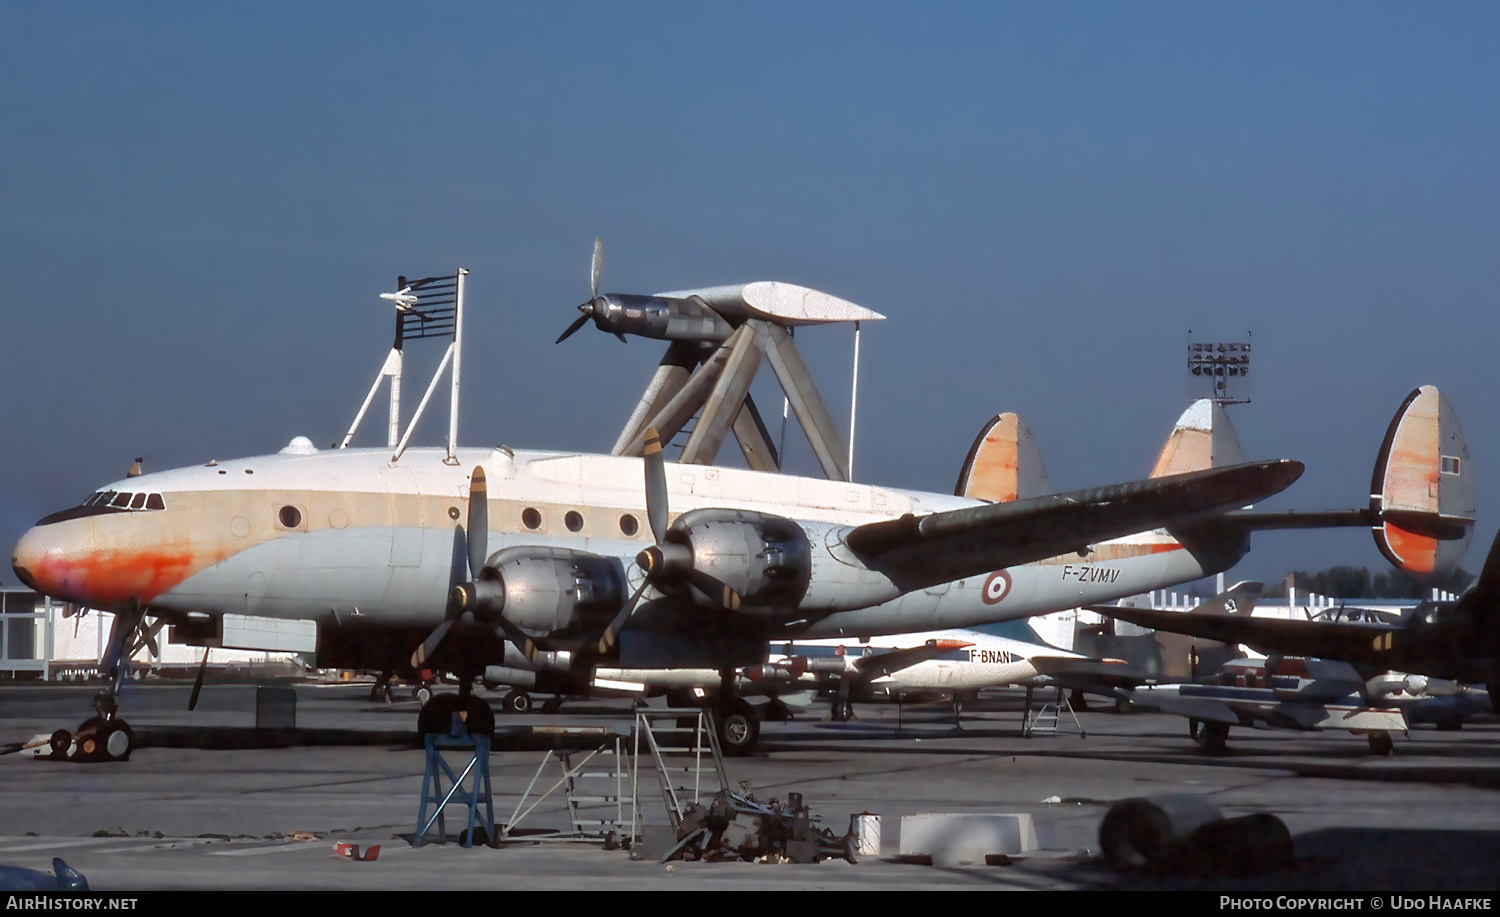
(531, 517)
(122, 500)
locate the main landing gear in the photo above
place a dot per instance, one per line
(735, 724)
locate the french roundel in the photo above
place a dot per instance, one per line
(996, 587)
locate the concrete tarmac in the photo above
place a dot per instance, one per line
(209, 802)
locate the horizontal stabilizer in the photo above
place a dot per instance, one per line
(916, 552)
(1003, 464)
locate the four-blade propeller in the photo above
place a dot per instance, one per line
(665, 560)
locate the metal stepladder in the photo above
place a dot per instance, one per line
(593, 786)
(478, 767)
(691, 735)
(1045, 719)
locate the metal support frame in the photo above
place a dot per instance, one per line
(479, 792)
(430, 307)
(716, 389)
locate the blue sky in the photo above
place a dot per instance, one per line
(200, 202)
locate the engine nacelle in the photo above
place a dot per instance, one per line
(553, 592)
(766, 559)
(662, 317)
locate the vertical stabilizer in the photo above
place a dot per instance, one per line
(1239, 599)
(1203, 438)
(1423, 486)
(1003, 464)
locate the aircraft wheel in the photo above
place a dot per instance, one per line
(1381, 744)
(517, 702)
(1209, 736)
(737, 726)
(553, 705)
(117, 741)
(60, 742)
(86, 744)
(843, 710)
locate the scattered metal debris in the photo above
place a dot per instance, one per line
(782, 833)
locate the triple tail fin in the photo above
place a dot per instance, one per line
(1421, 508)
(1003, 464)
(1423, 486)
(1203, 438)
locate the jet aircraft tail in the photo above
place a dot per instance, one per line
(1157, 655)
(1423, 486)
(1003, 464)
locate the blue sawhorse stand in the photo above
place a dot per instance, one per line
(478, 792)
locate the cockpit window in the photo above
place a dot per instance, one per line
(117, 500)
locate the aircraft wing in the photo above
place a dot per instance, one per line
(1085, 670)
(880, 664)
(1350, 642)
(921, 551)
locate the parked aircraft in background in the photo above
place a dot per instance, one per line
(451, 558)
(972, 660)
(1454, 640)
(1282, 692)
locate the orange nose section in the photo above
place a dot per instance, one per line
(30, 557)
(70, 560)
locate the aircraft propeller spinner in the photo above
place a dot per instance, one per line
(595, 306)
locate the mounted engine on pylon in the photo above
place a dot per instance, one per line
(554, 592)
(764, 561)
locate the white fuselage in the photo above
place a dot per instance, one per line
(347, 535)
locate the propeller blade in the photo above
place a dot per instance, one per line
(714, 589)
(656, 486)
(612, 632)
(478, 533)
(573, 327)
(198, 682)
(430, 645)
(597, 269)
(517, 636)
